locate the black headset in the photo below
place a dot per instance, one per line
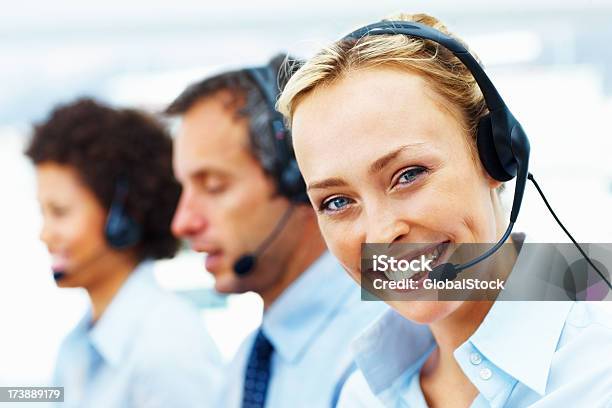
(503, 146)
(289, 180)
(121, 230)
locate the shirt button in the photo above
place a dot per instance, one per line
(485, 373)
(475, 358)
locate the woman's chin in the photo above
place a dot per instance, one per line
(68, 283)
(424, 312)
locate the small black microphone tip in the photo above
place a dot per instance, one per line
(58, 275)
(244, 264)
(444, 272)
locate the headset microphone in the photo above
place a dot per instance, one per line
(58, 275)
(449, 271)
(246, 263)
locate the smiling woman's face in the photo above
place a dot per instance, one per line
(385, 162)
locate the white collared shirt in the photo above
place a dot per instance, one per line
(148, 349)
(524, 353)
(310, 326)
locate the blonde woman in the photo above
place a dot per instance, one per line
(384, 129)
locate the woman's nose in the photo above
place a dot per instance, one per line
(385, 226)
(45, 233)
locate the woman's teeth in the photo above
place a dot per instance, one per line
(432, 256)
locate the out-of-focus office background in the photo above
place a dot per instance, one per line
(550, 59)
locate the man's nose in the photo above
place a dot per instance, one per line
(188, 219)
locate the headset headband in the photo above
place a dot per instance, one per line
(503, 146)
(492, 97)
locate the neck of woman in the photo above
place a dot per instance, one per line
(102, 291)
(441, 370)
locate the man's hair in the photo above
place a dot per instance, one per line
(248, 102)
(104, 145)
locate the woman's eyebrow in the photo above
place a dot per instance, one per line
(375, 167)
(330, 182)
(380, 163)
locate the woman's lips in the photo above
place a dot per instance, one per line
(59, 262)
(431, 253)
(213, 260)
(442, 255)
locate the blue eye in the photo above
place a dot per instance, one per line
(409, 175)
(335, 204)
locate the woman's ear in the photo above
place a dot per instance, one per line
(494, 184)
(491, 182)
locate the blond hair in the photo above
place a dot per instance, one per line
(443, 72)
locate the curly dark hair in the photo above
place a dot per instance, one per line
(105, 145)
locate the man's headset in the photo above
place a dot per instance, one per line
(121, 230)
(503, 146)
(287, 175)
(286, 171)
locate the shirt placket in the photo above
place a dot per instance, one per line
(493, 383)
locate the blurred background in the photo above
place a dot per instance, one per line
(551, 60)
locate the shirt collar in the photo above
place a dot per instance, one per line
(306, 306)
(521, 338)
(518, 337)
(112, 334)
(390, 349)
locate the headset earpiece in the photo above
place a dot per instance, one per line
(289, 180)
(293, 183)
(487, 152)
(121, 230)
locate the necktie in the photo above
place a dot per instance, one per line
(257, 375)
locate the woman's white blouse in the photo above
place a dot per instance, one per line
(148, 349)
(536, 354)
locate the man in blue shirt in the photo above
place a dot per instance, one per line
(244, 204)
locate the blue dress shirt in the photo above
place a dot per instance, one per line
(310, 326)
(540, 354)
(148, 349)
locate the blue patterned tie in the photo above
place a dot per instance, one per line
(257, 375)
